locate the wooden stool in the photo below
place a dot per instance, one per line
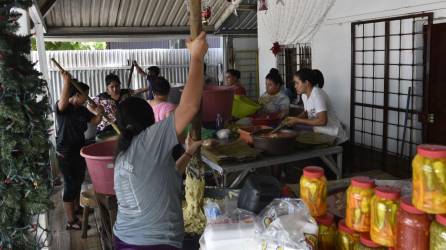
(87, 201)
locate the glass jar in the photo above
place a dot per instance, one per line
(438, 233)
(346, 238)
(313, 190)
(359, 195)
(384, 206)
(365, 243)
(412, 227)
(327, 232)
(429, 179)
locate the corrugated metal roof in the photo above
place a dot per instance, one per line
(243, 24)
(120, 17)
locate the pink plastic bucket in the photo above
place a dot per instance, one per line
(100, 163)
(217, 100)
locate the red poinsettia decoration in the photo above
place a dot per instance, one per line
(206, 14)
(276, 49)
(262, 5)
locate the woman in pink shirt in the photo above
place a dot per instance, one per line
(161, 108)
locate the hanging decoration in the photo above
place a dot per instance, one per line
(302, 17)
(276, 49)
(262, 5)
(205, 12)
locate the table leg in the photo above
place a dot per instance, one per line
(339, 163)
(85, 222)
(328, 159)
(239, 178)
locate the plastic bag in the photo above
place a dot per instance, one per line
(287, 224)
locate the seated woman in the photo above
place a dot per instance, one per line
(160, 90)
(274, 101)
(319, 112)
(233, 79)
(110, 100)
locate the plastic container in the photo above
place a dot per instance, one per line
(327, 232)
(359, 196)
(217, 100)
(365, 243)
(438, 233)
(429, 179)
(246, 133)
(313, 190)
(384, 207)
(100, 163)
(412, 228)
(242, 106)
(258, 192)
(346, 238)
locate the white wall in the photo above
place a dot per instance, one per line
(331, 46)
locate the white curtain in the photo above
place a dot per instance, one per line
(293, 21)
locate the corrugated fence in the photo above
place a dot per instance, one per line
(91, 67)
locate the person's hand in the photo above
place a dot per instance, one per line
(66, 76)
(191, 145)
(291, 121)
(99, 109)
(135, 63)
(198, 47)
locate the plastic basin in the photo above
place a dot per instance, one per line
(100, 163)
(243, 107)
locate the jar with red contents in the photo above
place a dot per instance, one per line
(359, 196)
(365, 243)
(327, 232)
(346, 237)
(313, 190)
(412, 227)
(383, 209)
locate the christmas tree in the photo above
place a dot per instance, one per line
(24, 143)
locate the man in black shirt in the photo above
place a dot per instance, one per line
(72, 118)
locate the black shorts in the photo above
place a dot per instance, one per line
(73, 167)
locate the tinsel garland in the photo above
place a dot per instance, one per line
(24, 145)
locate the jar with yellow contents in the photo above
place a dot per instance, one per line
(384, 207)
(359, 196)
(429, 179)
(346, 238)
(438, 233)
(365, 243)
(313, 190)
(327, 232)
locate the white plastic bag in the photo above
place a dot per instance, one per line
(285, 223)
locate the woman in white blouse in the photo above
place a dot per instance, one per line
(319, 112)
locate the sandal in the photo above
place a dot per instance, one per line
(75, 225)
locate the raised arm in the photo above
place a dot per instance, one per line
(139, 69)
(191, 97)
(191, 148)
(64, 100)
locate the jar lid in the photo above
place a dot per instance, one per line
(366, 241)
(387, 192)
(432, 151)
(313, 172)
(363, 182)
(326, 219)
(441, 218)
(342, 227)
(406, 205)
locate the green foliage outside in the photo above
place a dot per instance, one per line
(70, 45)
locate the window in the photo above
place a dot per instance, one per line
(291, 59)
(387, 83)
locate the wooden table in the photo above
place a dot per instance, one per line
(325, 154)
